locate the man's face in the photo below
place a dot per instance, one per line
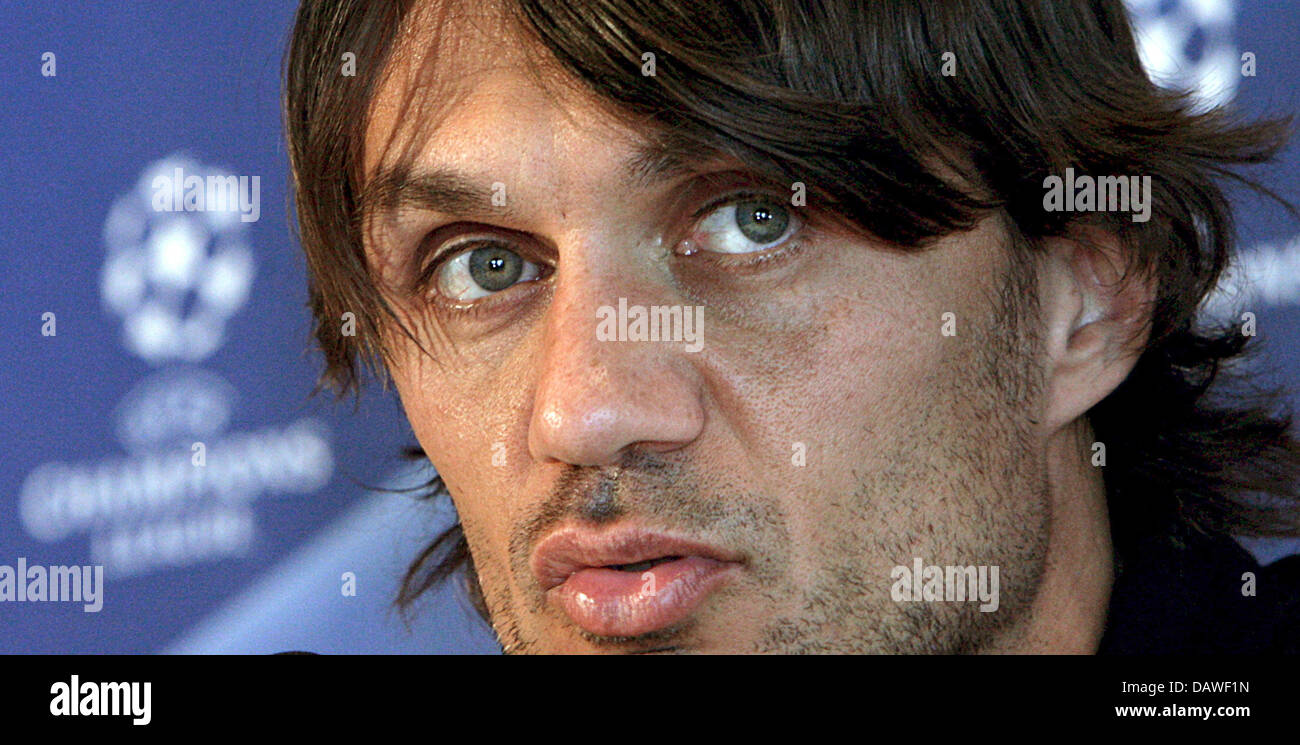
(753, 495)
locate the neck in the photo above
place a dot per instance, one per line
(1069, 612)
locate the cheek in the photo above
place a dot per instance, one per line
(856, 343)
(859, 375)
(466, 417)
(901, 334)
(455, 430)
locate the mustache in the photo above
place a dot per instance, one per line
(640, 483)
(665, 494)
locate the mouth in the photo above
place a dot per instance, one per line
(628, 582)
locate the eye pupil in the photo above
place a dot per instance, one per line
(761, 221)
(494, 268)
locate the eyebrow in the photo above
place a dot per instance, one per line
(667, 157)
(451, 192)
(438, 190)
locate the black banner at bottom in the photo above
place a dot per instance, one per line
(291, 691)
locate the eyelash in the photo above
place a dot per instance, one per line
(733, 196)
(788, 248)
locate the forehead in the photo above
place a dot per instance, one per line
(463, 82)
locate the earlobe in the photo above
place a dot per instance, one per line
(1095, 323)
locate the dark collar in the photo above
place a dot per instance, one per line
(1190, 594)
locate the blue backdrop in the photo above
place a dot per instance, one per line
(141, 342)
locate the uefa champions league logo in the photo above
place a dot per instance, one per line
(1188, 45)
(178, 267)
(174, 277)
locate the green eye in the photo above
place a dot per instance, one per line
(483, 270)
(494, 268)
(761, 221)
(747, 225)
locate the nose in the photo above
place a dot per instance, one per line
(596, 399)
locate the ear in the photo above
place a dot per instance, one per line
(1096, 321)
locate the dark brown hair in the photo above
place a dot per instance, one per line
(848, 97)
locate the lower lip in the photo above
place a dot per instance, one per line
(608, 602)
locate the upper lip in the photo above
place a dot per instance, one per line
(571, 549)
